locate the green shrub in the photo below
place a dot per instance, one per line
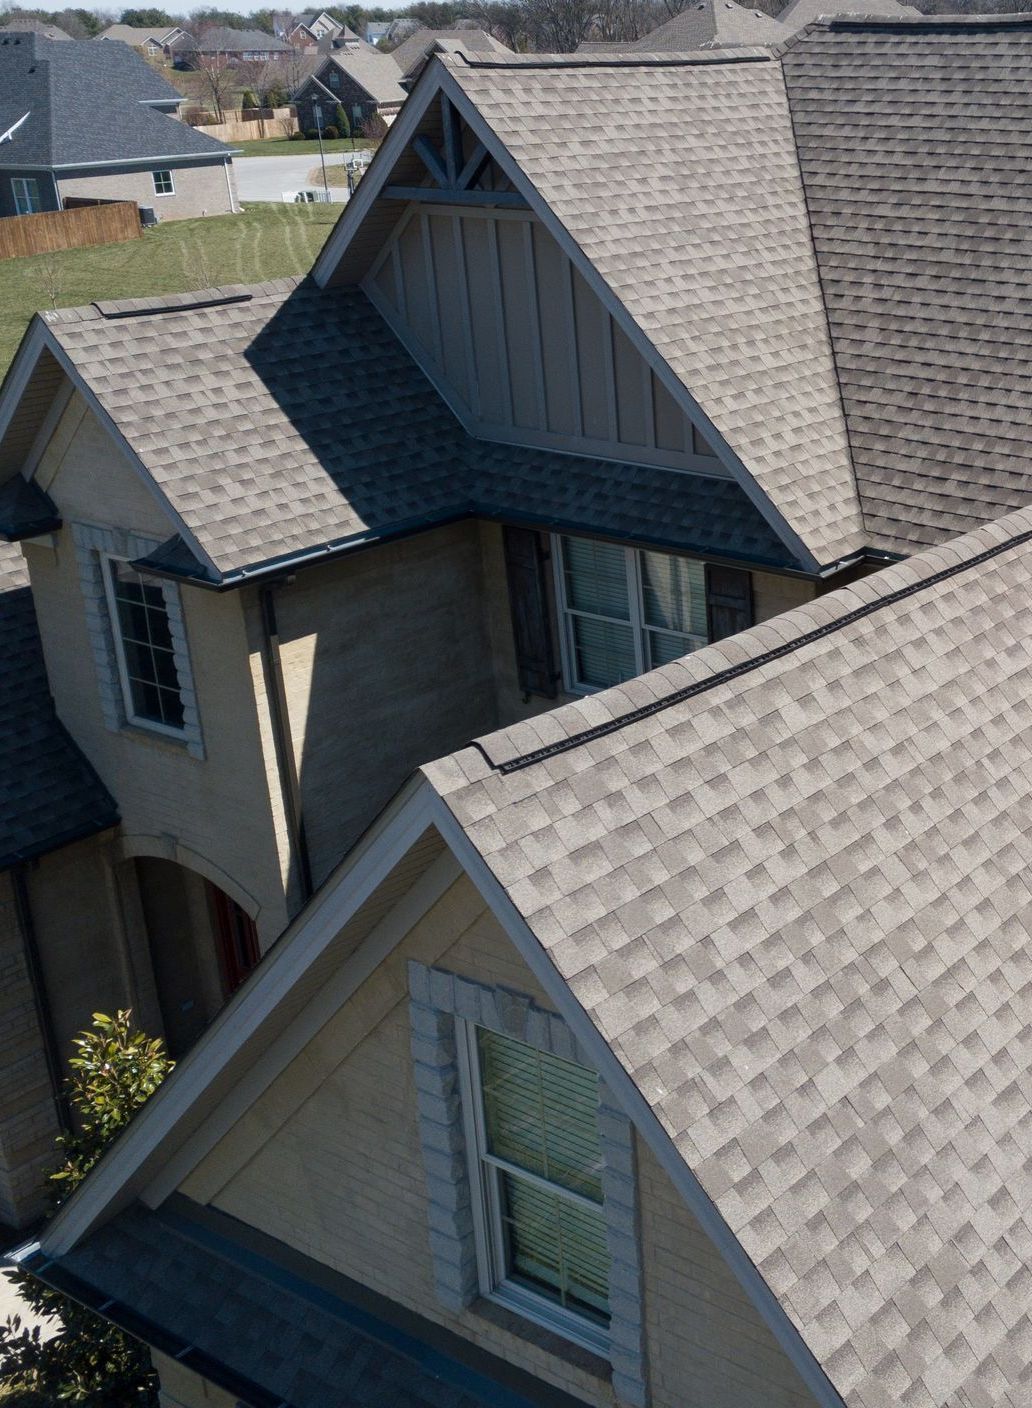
(87, 1361)
(340, 117)
(312, 133)
(330, 133)
(297, 137)
(248, 99)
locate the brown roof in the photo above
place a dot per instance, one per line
(789, 879)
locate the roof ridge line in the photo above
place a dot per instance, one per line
(745, 667)
(694, 60)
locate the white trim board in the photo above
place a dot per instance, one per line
(147, 1159)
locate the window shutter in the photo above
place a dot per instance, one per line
(728, 601)
(528, 601)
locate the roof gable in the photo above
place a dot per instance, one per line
(710, 23)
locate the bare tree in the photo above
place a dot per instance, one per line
(260, 75)
(47, 277)
(219, 78)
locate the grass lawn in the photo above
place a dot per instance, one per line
(276, 146)
(268, 242)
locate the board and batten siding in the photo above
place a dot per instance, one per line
(329, 1161)
(519, 345)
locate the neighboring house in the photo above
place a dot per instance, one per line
(711, 24)
(230, 46)
(88, 121)
(308, 30)
(27, 26)
(412, 54)
(152, 41)
(798, 13)
(376, 30)
(666, 1044)
(363, 83)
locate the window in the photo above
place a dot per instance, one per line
(26, 195)
(625, 611)
(143, 645)
(163, 183)
(536, 1171)
(236, 938)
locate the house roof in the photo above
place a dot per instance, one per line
(798, 13)
(788, 880)
(719, 274)
(918, 178)
(49, 794)
(224, 40)
(376, 73)
(50, 81)
(29, 26)
(413, 50)
(249, 1308)
(268, 462)
(710, 23)
(135, 35)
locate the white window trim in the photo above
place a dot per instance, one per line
(636, 621)
(161, 195)
(22, 201)
(137, 720)
(487, 1214)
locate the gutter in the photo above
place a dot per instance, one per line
(40, 996)
(279, 717)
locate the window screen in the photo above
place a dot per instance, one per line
(150, 681)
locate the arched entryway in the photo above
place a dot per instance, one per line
(203, 944)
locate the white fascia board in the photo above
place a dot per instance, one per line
(6, 136)
(435, 79)
(145, 476)
(635, 1106)
(150, 1140)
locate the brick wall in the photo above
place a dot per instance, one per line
(329, 1161)
(199, 190)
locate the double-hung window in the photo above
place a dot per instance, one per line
(151, 688)
(625, 610)
(163, 183)
(25, 190)
(536, 1172)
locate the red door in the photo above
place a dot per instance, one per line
(236, 939)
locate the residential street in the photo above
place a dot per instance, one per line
(267, 177)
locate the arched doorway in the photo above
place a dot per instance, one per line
(202, 946)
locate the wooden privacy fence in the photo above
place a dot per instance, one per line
(69, 229)
(279, 122)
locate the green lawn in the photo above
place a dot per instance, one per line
(277, 146)
(270, 241)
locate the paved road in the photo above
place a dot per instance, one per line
(267, 177)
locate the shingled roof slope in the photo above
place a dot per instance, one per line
(795, 897)
(692, 211)
(913, 143)
(49, 794)
(377, 73)
(710, 23)
(413, 50)
(267, 461)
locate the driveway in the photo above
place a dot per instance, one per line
(267, 177)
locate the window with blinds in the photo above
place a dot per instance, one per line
(626, 611)
(537, 1168)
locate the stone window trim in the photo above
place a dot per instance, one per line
(92, 545)
(436, 998)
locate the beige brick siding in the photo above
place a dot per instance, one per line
(199, 190)
(773, 594)
(214, 815)
(182, 1388)
(329, 1162)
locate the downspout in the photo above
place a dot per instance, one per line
(284, 744)
(40, 998)
(229, 187)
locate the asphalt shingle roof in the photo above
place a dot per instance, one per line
(87, 103)
(49, 794)
(913, 144)
(795, 898)
(231, 41)
(411, 51)
(711, 23)
(275, 453)
(692, 210)
(249, 1315)
(377, 73)
(798, 13)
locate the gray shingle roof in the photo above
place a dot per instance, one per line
(713, 23)
(411, 51)
(913, 143)
(135, 35)
(270, 458)
(231, 41)
(300, 1340)
(795, 899)
(376, 72)
(718, 273)
(29, 26)
(798, 13)
(49, 794)
(86, 104)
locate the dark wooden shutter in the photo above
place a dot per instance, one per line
(525, 567)
(728, 601)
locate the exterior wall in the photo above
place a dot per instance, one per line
(387, 664)
(493, 310)
(47, 192)
(212, 814)
(329, 1161)
(348, 93)
(182, 1388)
(201, 189)
(773, 594)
